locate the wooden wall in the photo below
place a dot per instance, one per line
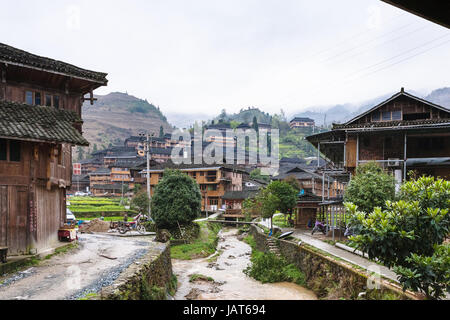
(32, 209)
(16, 93)
(14, 219)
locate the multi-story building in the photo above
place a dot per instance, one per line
(213, 181)
(301, 122)
(40, 121)
(402, 133)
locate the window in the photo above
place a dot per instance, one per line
(60, 155)
(48, 100)
(396, 115)
(3, 148)
(386, 115)
(14, 151)
(376, 116)
(29, 97)
(56, 102)
(37, 98)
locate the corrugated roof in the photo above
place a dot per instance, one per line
(46, 124)
(16, 56)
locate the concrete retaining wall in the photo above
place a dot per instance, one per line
(328, 277)
(149, 278)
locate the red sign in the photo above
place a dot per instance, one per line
(76, 169)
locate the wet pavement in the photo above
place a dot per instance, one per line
(96, 263)
(229, 281)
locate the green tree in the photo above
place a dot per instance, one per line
(294, 183)
(140, 202)
(277, 196)
(408, 232)
(176, 198)
(285, 195)
(256, 174)
(161, 132)
(371, 187)
(255, 124)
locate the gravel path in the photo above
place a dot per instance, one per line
(97, 262)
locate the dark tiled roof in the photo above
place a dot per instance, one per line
(170, 165)
(393, 124)
(12, 55)
(47, 124)
(301, 119)
(101, 171)
(166, 151)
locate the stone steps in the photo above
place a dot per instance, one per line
(273, 247)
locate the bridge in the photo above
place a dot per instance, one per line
(231, 222)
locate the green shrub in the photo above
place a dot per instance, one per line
(269, 268)
(177, 199)
(408, 234)
(371, 187)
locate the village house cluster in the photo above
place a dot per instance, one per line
(40, 122)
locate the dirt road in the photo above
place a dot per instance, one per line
(96, 263)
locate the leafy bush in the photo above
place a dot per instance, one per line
(140, 202)
(407, 233)
(268, 268)
(371, 187)
(177, 198)
(430, 275)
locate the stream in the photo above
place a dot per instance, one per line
(229, 281)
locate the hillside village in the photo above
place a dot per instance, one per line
(101, 198)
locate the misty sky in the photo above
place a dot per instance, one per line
(200, 56)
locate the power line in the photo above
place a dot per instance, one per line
(393, 64)
(380, 44)
(390, 65)
(367, 42)
(398, 55)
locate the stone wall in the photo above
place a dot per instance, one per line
(328, 277)
(149, 278)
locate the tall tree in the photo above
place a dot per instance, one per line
(177, 199)
(161, 132)
(255, 124)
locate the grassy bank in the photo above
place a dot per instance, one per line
(202, 247)
(268, 268)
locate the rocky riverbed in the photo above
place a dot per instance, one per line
(224, 277)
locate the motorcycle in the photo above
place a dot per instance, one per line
(319, 226)
(123, 227)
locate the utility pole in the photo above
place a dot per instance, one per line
(147, 149)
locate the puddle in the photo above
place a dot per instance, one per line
(230, 282)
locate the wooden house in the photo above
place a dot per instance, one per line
(404, 133)
(213, 181)
(40, 121)
(301, 122)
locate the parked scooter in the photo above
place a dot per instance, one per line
(320, 226)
